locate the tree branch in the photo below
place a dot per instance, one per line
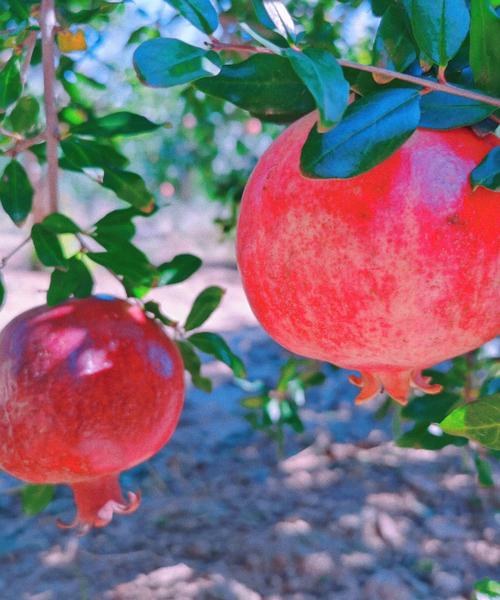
(23, 144)
(47, 26)
(426, 83)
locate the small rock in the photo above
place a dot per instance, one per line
(447, 582)
(385, 585)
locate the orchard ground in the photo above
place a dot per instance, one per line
(345, 515)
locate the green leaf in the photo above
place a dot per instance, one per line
(75, 281)
(118, 224)
(2, 291)
(200, 13)
(119, 123)
(393, 47)
(47, 246)
(164, 62)
(484, 46)
(265, 84)
(59, 223)
(123, 258)
(192, 364)
(25, 114)
(11, 86)
(479, 421)
(34, 498)
(488, 587)
(178, 269)
(440, 110)
(487, 172)
(89, 153)
(280, 18)
(253, 402)
(421, 437)
(430, 409)
(129, 187)
(372, 129)
(484, 473)
(155, 310)
(203, 306)
(215, 345)
(321, 73)
(16, 193)
(142, 34)
(440, 27)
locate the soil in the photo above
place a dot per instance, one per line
(343, 515)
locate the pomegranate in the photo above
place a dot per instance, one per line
(386, 273)
(88, 388)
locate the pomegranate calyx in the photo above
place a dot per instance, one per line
(396, 383)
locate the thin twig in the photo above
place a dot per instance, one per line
(29, 43)
(470, 361)
(7, 257)
(11, 134)
(47, 26)
(431, 85)
(24, 143)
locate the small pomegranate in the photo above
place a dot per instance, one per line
(88, 388)
(386, 273)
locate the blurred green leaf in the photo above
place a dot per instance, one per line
(321, 73)
(10, 83)
(34, 498)
(479, 421)
(444, 111)
(2, 291)
(203, 306)
(487, 172)
(440, 27)
(421, 437)
(266, 85)
(59, 223)
(165, 62)
(16, 193)
(180, 268)
(155, 310)
(75, 281)
(200, 13)
(118, 123)
(89, 153)
(487, 587)
(393, 47)
(129, 187)
(192, 364)
(484, 473)
(142, 34)
(279, 17)
(215, 345)
(25, 114)
(484, 46)
(372, 129)
(47, 246)
(430, 409)
(253, 402)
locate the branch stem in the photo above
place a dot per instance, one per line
(47, 26)
(7, 257)
(426, 83)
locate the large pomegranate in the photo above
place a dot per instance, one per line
(388, 272)
(88, 388)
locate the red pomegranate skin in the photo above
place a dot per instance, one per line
(388, 272)
(88, 388)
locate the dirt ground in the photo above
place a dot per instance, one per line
(344, 515)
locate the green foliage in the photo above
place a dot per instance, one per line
(24, 115)
(200, 13)
(203, 306)
(487, 173)
(265, 85)
(371, 130)
(393, 47)
(11, 86)
(35, 498)
(443, 111)
(486, 588)
(215, 345)
(479, 420)
(116, 124)
(439, 27)
(484, 47)
(180, 268)
(164, 62)
(16, 192)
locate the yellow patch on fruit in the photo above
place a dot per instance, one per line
(69, 41)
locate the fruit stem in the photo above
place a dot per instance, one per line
(47, 27)
(426, 83)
